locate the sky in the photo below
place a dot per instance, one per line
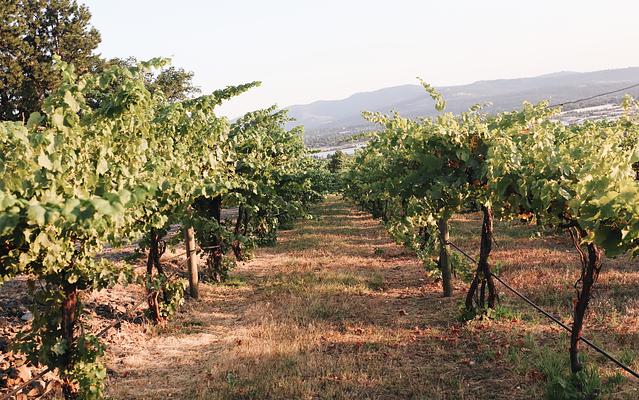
(303, 51)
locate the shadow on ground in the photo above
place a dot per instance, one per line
(335, 310)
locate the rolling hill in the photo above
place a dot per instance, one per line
(326, 121)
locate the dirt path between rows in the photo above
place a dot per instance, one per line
(335, 310)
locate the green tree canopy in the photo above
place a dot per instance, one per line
(336, 161)
(31, 33)
(176, 84)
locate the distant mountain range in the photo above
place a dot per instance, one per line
(328, 120)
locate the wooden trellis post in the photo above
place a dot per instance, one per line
(189, 238)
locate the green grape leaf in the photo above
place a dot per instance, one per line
(101, 167)
(71, 102)
(36, 214)
(44, 161)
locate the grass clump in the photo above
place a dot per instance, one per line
(500, 312)
(562, 384)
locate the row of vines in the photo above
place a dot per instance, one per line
(525, 164)
(108, 162)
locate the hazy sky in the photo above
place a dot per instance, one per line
(304, 51)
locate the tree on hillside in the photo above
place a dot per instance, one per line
(31, 33)
(336, 162)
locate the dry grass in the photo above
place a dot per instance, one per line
(338, 311)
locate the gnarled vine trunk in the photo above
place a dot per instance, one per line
(444, 257)
(483, 278)
(69, 317)
(590, 267)
(245, 223)
(156, 249)
(212, 208)
(237, 246)
(238, 221)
